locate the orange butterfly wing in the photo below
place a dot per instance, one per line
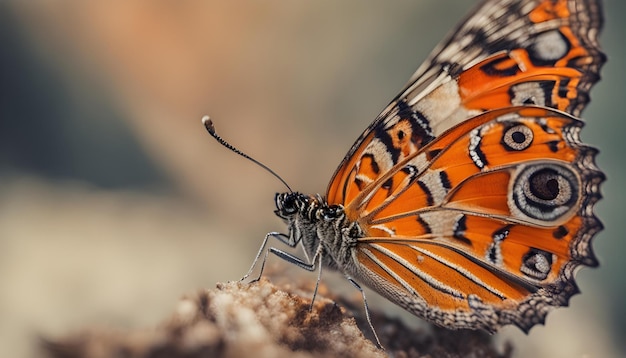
(496, 235)
(475, 197)
(505, 53)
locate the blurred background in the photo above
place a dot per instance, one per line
(114, 201)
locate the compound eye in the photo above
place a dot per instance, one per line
(287, 204)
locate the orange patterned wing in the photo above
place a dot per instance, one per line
(506, 53)
(485, 225)
(472, 188)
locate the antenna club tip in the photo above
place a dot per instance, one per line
(208, 123)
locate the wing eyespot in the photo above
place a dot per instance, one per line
(545, 192)
(517, 138)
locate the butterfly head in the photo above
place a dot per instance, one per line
(310, 216)
(290, 204)
(311, 208)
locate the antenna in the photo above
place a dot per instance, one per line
(208, 124)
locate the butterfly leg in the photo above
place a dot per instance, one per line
(367, 311)
(300, 263)
(284, 238)
(289, 258)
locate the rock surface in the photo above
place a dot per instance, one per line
(263, 320)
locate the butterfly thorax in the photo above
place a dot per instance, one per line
(321, 228)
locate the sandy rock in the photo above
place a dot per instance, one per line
(263, 320)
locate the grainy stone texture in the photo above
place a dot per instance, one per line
(262, 320)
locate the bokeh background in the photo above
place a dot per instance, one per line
(114, 201)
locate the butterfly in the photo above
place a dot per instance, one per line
(469, 200)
